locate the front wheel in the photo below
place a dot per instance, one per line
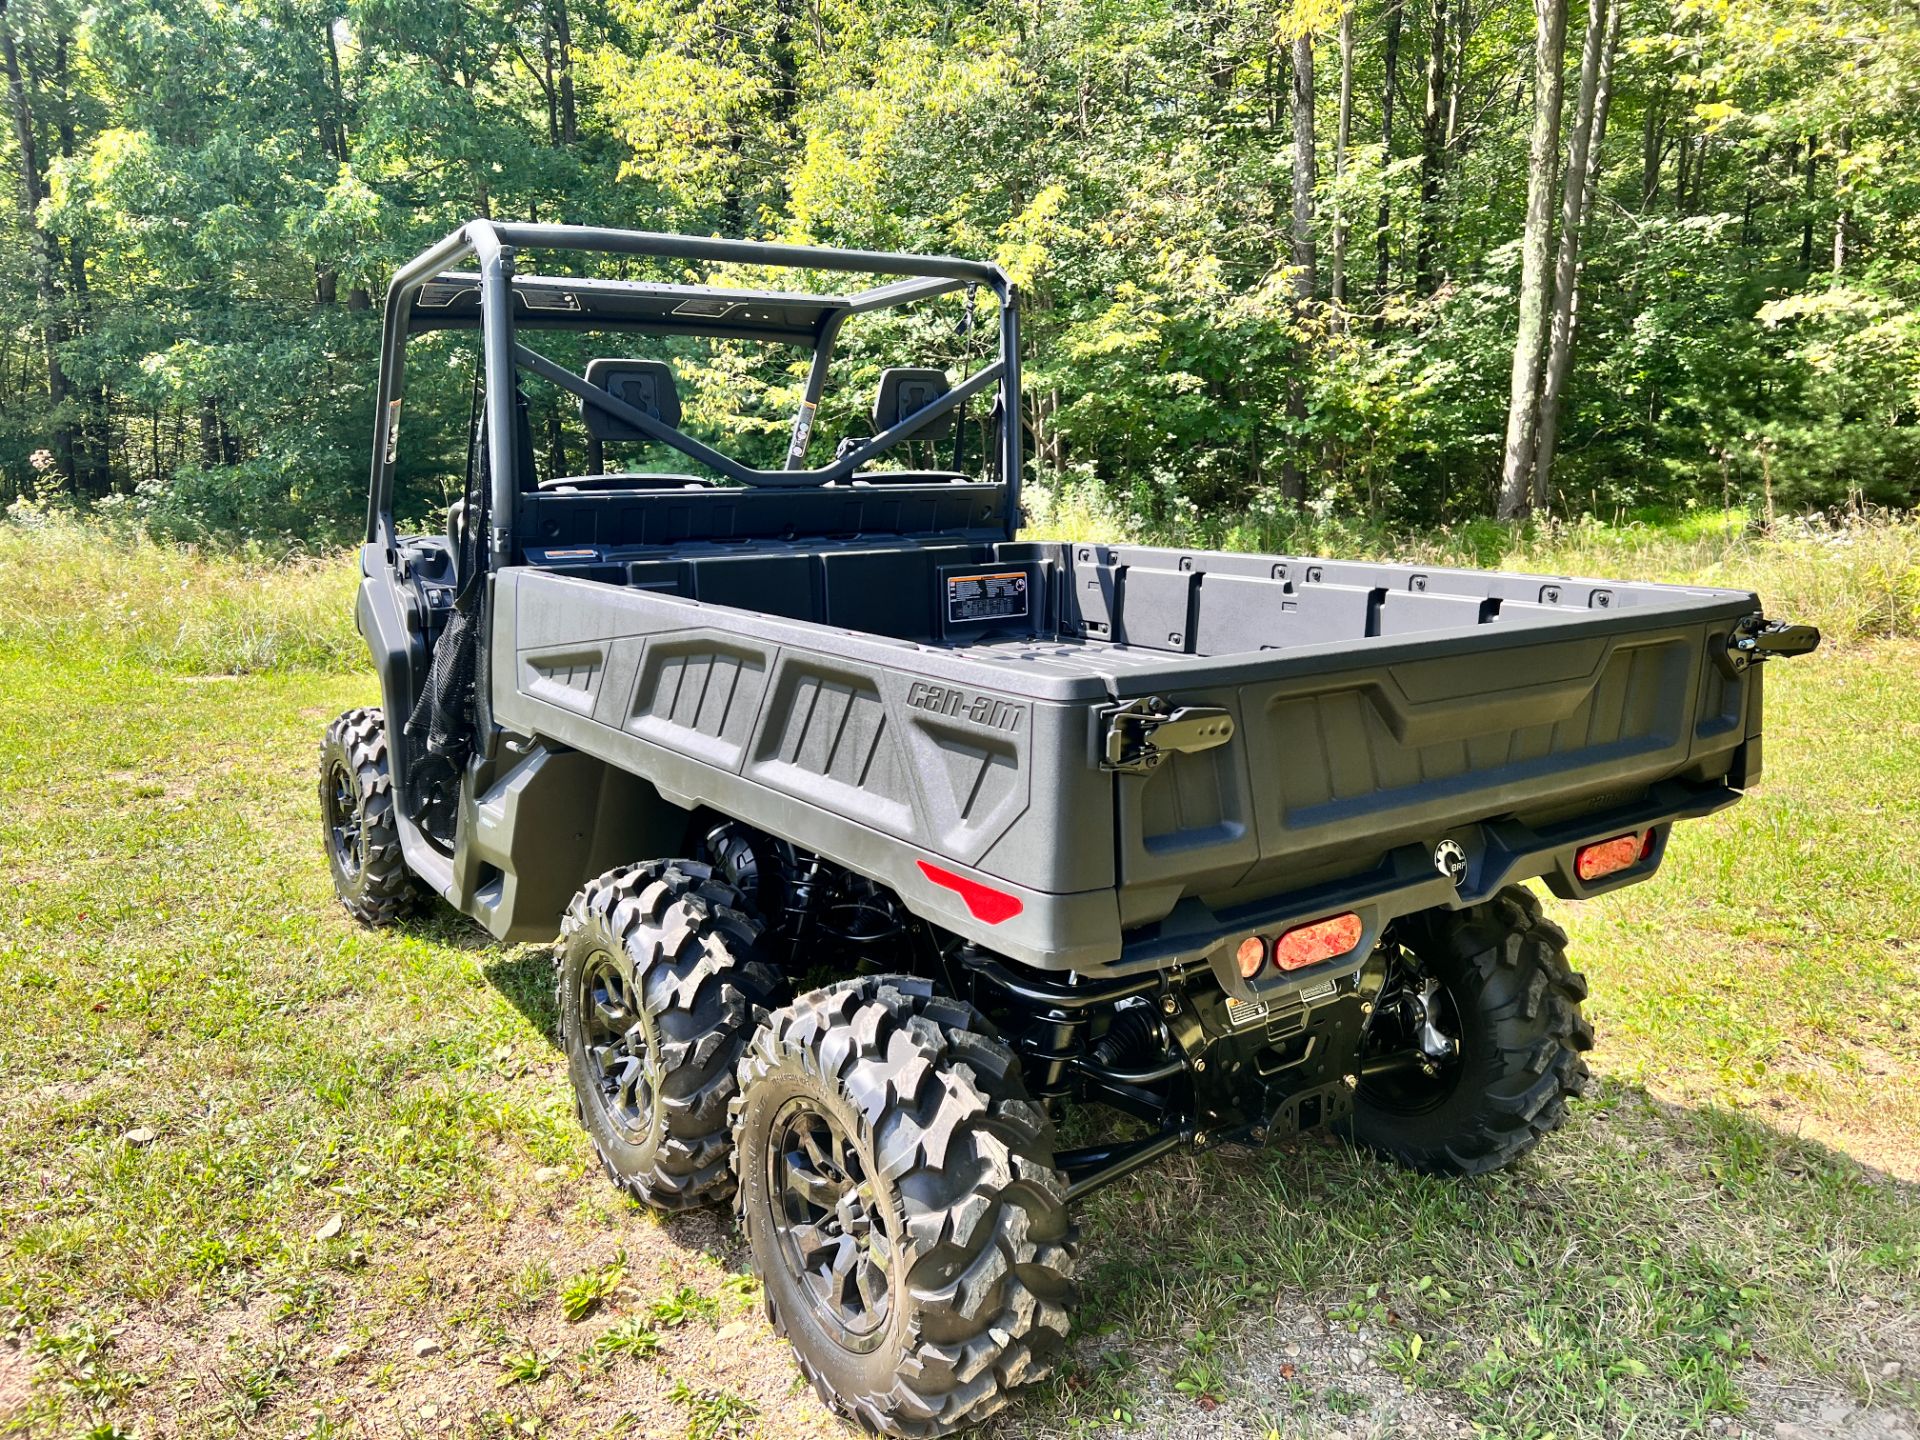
(1474, 1045)
(357, 818)
(898, 1192)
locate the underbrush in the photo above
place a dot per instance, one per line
(1857, 578)
(83, 590)
(88, 592)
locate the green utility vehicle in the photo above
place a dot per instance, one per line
(876, 837)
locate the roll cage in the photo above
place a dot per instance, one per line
(429, 293)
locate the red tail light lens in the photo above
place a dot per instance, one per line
(1306, 945)
(1251, 955)
(1605, 857)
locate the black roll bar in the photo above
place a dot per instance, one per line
(666, 434)
(494, 246)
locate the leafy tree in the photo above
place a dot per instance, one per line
(204, 199)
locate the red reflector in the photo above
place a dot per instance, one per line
(1323, 940)
(1251, 955)
(982, 903)
(1604, 857)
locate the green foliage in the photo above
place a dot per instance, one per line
(712, 1414)
(587, 1291)
(220, 192)
(628, 1338)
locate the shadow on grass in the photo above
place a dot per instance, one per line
(524, 977)
(523, 974)
(1648, 1267)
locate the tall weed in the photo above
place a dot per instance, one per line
(89, 591)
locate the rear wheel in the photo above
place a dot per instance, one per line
(898, 1191)
(1474, 1046)
(660, 984)
(357, 819)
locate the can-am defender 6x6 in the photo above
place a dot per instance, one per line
(875, 837)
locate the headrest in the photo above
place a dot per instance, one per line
(647, 385)
(905, 389)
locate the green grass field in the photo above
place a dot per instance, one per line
(265, 1173)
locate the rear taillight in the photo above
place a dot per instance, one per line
(1251, 955)
(1327, 939)
(1606, 857)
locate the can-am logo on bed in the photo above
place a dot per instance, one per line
(980, 709)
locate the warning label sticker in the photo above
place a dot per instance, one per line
(986, 597)
(1244, 1012)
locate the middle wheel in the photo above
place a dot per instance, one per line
(660, 984)
(898, 1191)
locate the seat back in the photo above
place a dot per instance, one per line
(905, 389)
(647, 385)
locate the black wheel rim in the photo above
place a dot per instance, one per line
(1396, 1072)
(833, 1228)
(614, 1042)
(346, 825)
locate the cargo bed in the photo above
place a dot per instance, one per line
(951, 703)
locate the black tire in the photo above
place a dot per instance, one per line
(1515, 1011)
(356, 815)
(951, 1220)
(660, 985)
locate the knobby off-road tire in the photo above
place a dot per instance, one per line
(357, 819)
(1516, 1013)
(898, 1191)
(660, 983)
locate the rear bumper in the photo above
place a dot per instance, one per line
(1498, 853)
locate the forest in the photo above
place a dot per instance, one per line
(1412, 261)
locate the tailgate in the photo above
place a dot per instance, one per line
(1336, 761)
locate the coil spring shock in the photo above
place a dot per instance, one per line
(807, 903)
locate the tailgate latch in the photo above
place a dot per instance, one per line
(1142, 734)
(1757, 638)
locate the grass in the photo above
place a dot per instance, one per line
(76, 590)
(205, 1064)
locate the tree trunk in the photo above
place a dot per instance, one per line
(1806, 232)
(1304, 171)
(357, 297)
(1383, 249)
(93, 461)
(1432, 138)
(545, 80)
(1576, 202)
(209, 432)
(1843, 215)
(1458, 46)
(563, 66)
(339, 95)
(46, 259)
(556, 443)
(1292, 483)
(1529, 347)
(1342, 134)
(1652, 147)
